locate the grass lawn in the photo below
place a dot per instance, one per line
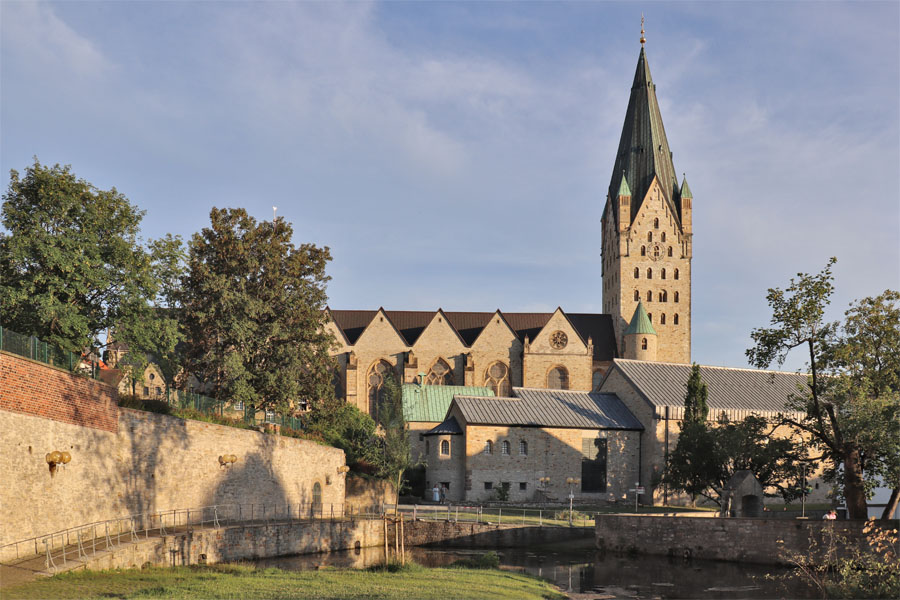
(245, 581)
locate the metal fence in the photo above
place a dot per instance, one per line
(84, 541)
(36, 349)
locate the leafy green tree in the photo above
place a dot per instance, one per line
(252, 310)
(707, 456)
(695, 407)
(850, 408)
(71, 265)
(351, 430)
(395, 446)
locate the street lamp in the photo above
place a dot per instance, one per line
(571, 481)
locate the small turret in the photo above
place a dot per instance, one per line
(623, 204)
(687, 200)
(640, 337)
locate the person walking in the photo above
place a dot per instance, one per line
(436, 493)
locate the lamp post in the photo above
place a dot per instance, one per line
(571, 481)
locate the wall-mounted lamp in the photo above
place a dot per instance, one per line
(545, 481)
(57, 458)
(227, 460)
(342, 469)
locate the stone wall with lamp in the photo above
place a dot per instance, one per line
(146, 463)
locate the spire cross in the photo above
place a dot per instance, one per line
(643, 39)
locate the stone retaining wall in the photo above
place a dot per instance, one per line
(764, 541)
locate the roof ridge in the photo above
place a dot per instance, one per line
(748, 369)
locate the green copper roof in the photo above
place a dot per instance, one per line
(624, 190)
(640, 322)
(429, 403)
(643, 147)
(685, 190)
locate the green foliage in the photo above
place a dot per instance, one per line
(351, 430)
(70, 262)
(501, 492)
(695, 407)
(706, 457)
(252, 308)
(395, 456)
(851, 406)
(488, 560)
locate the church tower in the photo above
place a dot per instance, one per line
(647, 229)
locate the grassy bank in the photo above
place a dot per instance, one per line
(244, 581)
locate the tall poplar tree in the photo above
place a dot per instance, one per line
(252, 309)
(695, 407)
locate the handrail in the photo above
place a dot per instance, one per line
(59, 544)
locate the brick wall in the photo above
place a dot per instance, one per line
(34, 388)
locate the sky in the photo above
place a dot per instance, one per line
(457, 154)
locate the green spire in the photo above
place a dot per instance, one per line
(685, 190)
(624, 190)
(640, 322)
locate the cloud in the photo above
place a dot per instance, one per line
(38, 37)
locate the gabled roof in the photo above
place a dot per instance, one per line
(449, 427)
(737, 392)
(411, 323)
(643, 148)
(429, 403)
(640, 322)
(549, 408)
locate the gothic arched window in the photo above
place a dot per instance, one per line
(644, 344)
(317, 494)
(670, 251)
(649, 296)
(649, 273)
(439, 374)
(637, 273)
(445, 448)
(662, 274)
(650, 317)
(662, 236)
(637, 295)
(643, 250)
(649, 236)
(676, 273)
(676, 297)
(558, 378)
(375, 381)
(662, 319)
(663, 296)
(676, 319)
(497, 378)
(504, 448)
(489, 447)
(656, 225)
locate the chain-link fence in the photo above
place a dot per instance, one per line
(36, 349)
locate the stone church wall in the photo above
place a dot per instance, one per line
(137, 463)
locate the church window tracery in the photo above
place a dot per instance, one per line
(439, 374)
(558, 379)
(377, 374)
(497, 378)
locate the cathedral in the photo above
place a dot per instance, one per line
(646, 262)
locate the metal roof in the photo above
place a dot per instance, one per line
(737, 392)
(640, 322)
(448, 427)
(429, 403)
(549, 408)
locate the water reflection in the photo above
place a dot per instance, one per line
(603, 575)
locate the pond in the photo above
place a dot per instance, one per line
(578, 567)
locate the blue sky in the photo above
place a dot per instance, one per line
(457, 155)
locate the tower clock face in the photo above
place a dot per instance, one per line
(655, 252)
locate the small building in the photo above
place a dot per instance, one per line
(534, 446)
(425, 406)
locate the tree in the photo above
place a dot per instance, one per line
(395, 446)
(70, 265)
(850, 408)
(252, 307)
(706, 457)
(695, 407)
